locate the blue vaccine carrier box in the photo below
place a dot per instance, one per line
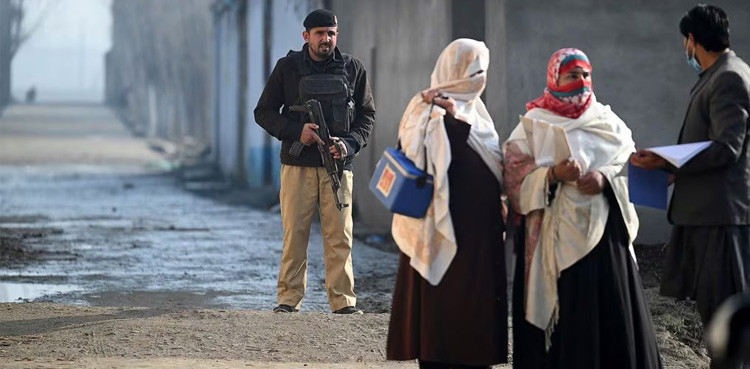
(400, 185)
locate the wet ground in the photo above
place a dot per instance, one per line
(90, 215)
(132, 253)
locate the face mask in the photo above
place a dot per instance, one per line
(693, 62)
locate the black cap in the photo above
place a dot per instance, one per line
(320, 18)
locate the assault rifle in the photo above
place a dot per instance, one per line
(335, 168)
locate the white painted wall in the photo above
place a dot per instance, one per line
(287, 28)
(228, 96)
(256, 148)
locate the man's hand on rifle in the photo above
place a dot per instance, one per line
(308, 136)
(338, 149)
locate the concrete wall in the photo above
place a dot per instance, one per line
(286, 34)
(228, 139)
(158, 72)
(496, 95)
(274, 27)
(635, 47)
(257, 144)
(399, 42)
(638, 60)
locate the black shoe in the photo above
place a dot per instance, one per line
(284, 309)
(348, 310)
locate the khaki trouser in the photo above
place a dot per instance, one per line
(304, 190)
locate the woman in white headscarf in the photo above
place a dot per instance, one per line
(578, 301)
(449, 303)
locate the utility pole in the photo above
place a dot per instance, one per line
(82, 60)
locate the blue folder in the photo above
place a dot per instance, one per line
(648, 187)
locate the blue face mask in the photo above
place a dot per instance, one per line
(693, 62)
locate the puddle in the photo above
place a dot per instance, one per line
(154, 245)
(17, 292)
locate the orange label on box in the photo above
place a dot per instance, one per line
(386, 181)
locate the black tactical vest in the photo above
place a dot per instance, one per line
(332, 89)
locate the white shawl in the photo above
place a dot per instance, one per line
(430, 242)
(573, 223)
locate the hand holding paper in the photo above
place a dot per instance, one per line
(548, 143)
(677, 155)
(644, 159)
(648, 186)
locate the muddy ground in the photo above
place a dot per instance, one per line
(113, 257)
(35, 333)
(72, 336)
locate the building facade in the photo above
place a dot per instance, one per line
(635, 48)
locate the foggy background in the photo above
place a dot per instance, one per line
(190, 72)
(126, 180)
(64, 58)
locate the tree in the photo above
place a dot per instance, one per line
(21, 27)
(5, 47)
(12, 36)
(15, 30)
(17, 35)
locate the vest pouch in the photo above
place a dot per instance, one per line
(340, 117)
(332, 91)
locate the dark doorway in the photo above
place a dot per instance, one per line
(468, 19)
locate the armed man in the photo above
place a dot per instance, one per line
(314, 166)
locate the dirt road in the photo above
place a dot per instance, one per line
(111, 263)
(50, 335)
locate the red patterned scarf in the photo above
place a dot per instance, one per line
(572, 99)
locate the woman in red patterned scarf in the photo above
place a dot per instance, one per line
(578, 299)
(572, 95)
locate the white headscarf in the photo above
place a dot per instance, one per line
(460, 73)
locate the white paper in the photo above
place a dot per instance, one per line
(678, 155)
(549, 143)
